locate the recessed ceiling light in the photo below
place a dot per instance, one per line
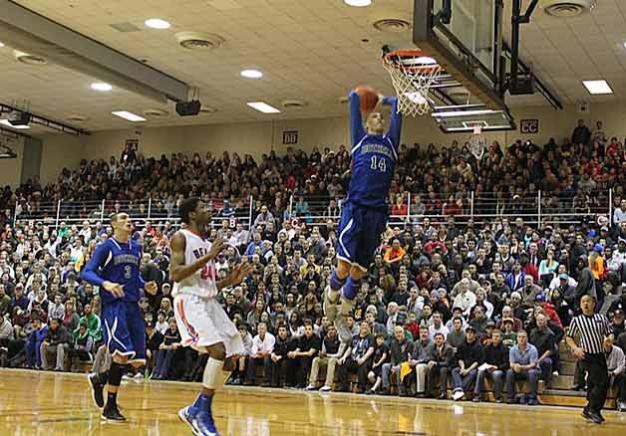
(76, 118)
(155, 112)
(252, 74)
(128, 116)
(358, 3)
(101, 86)
(29, 59)
(597, 87)
(6, 123)
(263, 107)
(157, 23)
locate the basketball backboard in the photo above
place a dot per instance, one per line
(464, 118)
(465, 38)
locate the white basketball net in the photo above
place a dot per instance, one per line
(477, 145)
(412, 76)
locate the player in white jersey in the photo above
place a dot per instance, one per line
(202, 322)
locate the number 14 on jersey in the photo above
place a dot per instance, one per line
(378, 164)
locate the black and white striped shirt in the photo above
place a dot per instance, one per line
(592, 330)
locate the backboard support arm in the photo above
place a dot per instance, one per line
(517, 19)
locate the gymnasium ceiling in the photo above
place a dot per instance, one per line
(310, 50)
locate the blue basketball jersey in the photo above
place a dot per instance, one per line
(374, 157)
(116, 262)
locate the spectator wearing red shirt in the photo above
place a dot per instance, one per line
(434, 244)
(290, 183)
(452, 207)
(527, 267)
(612, 150)
(412, 325)
(423, 278)
(549, 310)
(399, 208)
(150, 229)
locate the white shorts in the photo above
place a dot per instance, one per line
(202, 322)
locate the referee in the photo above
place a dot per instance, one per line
(593, 330)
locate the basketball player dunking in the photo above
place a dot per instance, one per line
(364, 212)
(202, 322)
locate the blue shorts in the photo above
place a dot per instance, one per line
(359, 233)
(124, 329)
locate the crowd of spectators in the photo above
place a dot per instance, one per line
(442, 302)
(574, 176)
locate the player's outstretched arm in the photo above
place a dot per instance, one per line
(395, 126)
(178, 270)
(356, 122)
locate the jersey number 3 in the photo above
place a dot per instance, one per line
(378, 164)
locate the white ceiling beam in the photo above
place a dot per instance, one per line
(36, 34)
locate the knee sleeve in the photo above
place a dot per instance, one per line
(214, 376)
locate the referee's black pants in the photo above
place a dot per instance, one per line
(597, 380)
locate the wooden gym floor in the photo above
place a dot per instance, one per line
(45, 403)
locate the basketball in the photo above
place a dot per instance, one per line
(368, 97)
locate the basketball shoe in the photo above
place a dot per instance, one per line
(111, 413)
(96, 389)
(199, 417)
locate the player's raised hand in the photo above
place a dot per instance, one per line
(240, 272)
(114, 288)
(381, 99)
(216, 248)
(151, 287)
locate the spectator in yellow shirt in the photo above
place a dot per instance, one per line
(395, 253)
(596, 263)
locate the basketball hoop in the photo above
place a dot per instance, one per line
(477, 142)
(412, 74)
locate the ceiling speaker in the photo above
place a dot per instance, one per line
(188, 108)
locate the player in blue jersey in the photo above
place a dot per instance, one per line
(114, 268)
(364, 211)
